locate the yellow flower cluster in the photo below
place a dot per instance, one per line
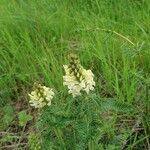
(41, 96)
(77, 78)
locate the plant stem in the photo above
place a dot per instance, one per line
(91, 145)
(88, 119)
(59, 135)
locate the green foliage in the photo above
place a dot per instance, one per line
(7, 138)
(24, 118)
(78, 123)
(7, 116)
(112, 39)
(33, 142)
(114, 105)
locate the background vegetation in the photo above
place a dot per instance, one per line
(111, 38)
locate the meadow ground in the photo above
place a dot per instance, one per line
(111, 37)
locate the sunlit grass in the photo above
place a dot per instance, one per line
(111, 38)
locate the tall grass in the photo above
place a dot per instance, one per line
(111, 37)
(35, 37)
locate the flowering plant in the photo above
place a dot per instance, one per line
(74, 122)
(41, 96)
(77, 78)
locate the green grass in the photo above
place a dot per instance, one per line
(111, 38)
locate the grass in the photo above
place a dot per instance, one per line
(111, 38)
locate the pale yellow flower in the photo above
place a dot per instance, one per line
(78, 79)
(41, 96)
(88, 81)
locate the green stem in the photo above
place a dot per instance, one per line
(59, 135)
(91, 145)
(87, 117)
